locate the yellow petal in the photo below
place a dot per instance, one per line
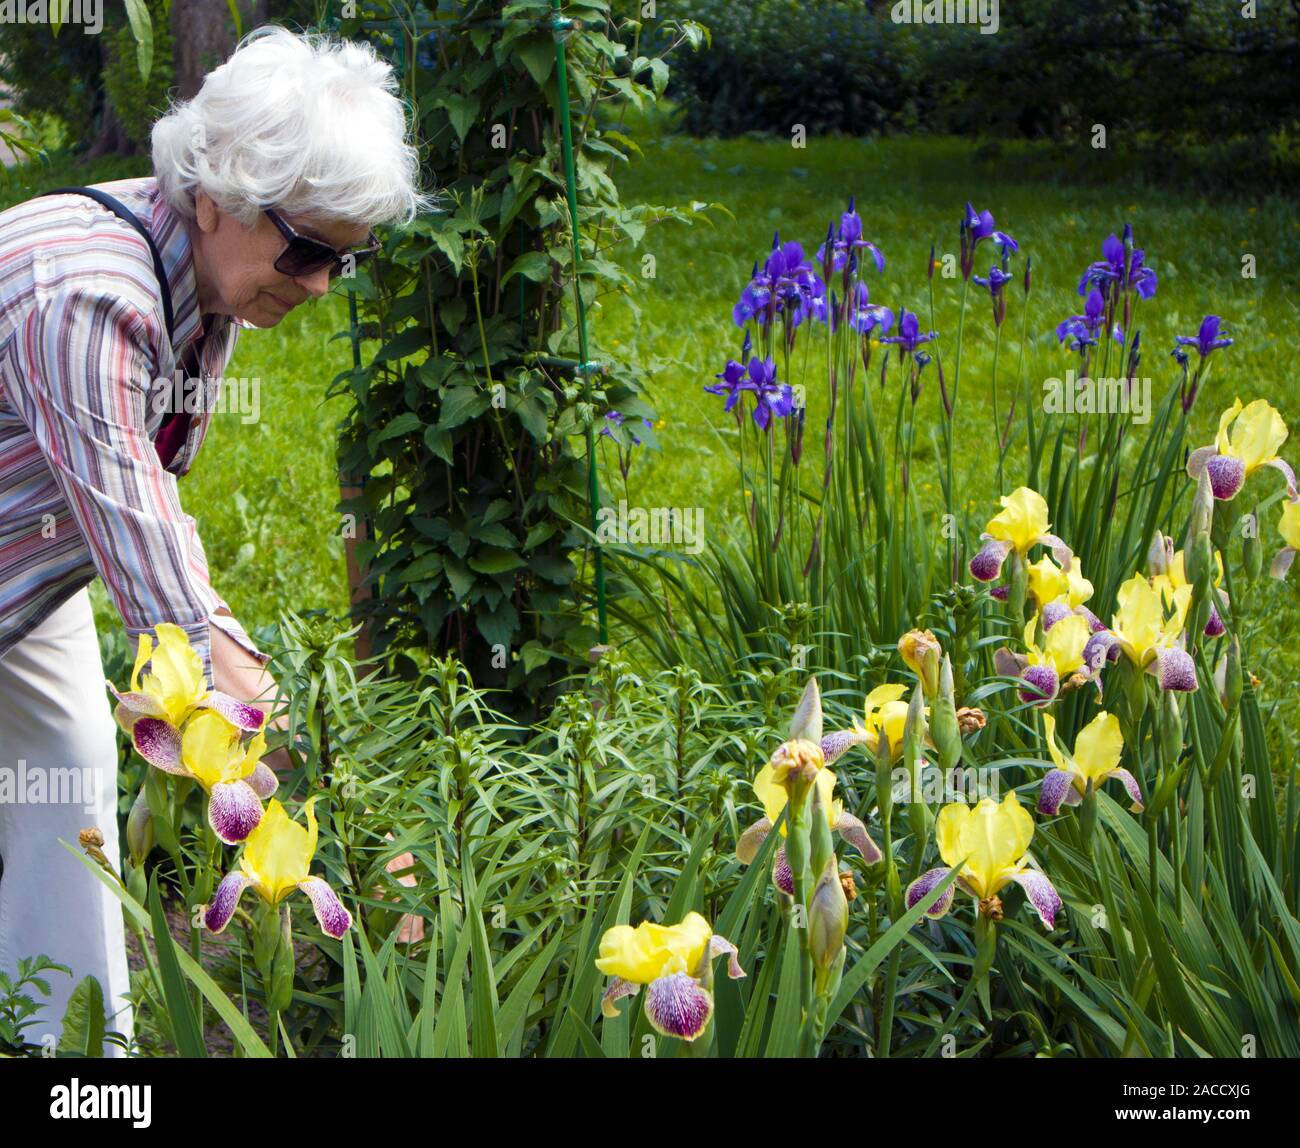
(993, 838)
(770, 793)
(1065, 642)
(1023, 519)
(1099, 747)
(1222, 441)
(1138, 619)
(1257, 435)
(176, 673)
(278, 853)
(1049, 730)
(210, 749)
(1289, 525)
(1047, 581)
(143, 652)
(1080, 588)
(882, 694)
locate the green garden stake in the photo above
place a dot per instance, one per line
(561, 24)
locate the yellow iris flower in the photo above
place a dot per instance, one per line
(175, 681)
(1063, 644)
(1140, 622)
(993, 839)
(212, 751)
(1096, 758)
(1023, 520)
(1254, 434)
(1048, 583)
(644, 954)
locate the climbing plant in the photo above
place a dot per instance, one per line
(475, 397)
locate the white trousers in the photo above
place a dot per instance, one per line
(58, 747)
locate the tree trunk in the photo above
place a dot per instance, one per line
(203, 35)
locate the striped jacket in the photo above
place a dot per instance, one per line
(86, 377)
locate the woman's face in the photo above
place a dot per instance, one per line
(235, 266)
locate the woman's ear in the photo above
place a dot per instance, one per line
(205, 212)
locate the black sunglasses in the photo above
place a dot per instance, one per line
(306, 256)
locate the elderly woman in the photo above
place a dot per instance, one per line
(266, 186)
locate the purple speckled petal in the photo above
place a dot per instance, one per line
(837, 743)
(1095, 624)
(263, 780)
(1214, 628)
(1008, 663)
(1130, 783)
(1226, 476)
(855, 833)
(239, 714)
(617, 990)
(1000, 593)
(1042, 895)
(234, 811)
(919, 889)
(718, 945)
(782, 874)
(1288, 474)
(1175, 669)
(332, 917)
(678, 1005)
(217, 915)
(1060, 551)
(1057, 786)
(159, 743)
(987, 564)
(1103, 646)
(751, 841)
(1053, 612)
(141, 705)
(1041, 685)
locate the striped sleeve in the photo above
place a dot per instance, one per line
(83, 394)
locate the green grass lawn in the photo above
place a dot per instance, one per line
(263, 494)
(910, 193)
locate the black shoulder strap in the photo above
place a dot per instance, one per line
(123, 212)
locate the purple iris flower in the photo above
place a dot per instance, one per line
(909, 335)
(786, 284)
(1082, 330)
(759, 379)
(848, 241)
(617, 419)
(1120, 267)
(865, 316)
(996, 283)
(1207, 339)
(980, 226)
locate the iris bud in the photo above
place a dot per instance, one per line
(139, 828)
(1232, 681)
(828, 918)
(921, 652)
(945, 726)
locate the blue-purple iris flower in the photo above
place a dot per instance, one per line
(910, 335)
(848, 241)
(617, 419)
(1082, 330)
(980, 225)
(996, 284)
(865, 316)
(1207, 339)
(786, 284)
(759, 379)
(1113, 267)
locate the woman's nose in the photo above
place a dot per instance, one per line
(316, 284)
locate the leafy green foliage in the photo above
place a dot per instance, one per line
(470, 407)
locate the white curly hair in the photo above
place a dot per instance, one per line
(304, 122)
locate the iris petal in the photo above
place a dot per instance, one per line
(678, 1005)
